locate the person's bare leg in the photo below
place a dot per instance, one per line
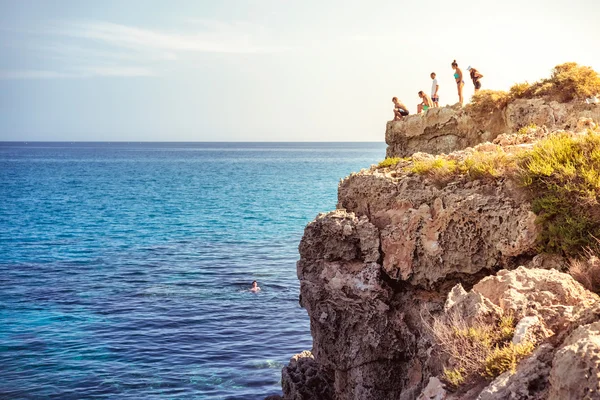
(419, 108)
(460, 95)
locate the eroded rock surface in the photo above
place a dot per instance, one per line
(575, 370)
(447, 129)
(429, 233)
(304, 379)
(402, 249)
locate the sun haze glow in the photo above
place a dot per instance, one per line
(267, 70)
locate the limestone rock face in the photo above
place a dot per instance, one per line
(554, 297)
(429, 233)
(303, 379)
(357, 334)
(575, 370)
(402, 250)
(440, 130)
(447, 129)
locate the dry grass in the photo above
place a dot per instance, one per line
(568, 81)
(487, 101)
(489, 164)
(477, 349)
(439, 168)
(586, 270)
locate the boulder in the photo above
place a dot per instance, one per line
(575, 370)
(304, 379)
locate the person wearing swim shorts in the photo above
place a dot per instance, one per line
(400, 110)
(475, 77)
(435, 98)
(426, 104)
(458, 77)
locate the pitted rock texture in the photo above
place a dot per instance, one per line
(356, 331)
(402, 249)
(575, 370)
(553, 296)
(304, 379)
(447, 129)
(440, 130)
(429, 233)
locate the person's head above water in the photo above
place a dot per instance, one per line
(254, 287)
(254, 284)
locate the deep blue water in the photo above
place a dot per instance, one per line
(123, 267)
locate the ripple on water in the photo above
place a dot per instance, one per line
(125, 268)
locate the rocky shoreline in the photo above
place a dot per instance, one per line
(405, 253)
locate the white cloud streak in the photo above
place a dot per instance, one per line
(77, 73)
(219, 38)
(106, 49)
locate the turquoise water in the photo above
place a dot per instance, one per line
(124, 267)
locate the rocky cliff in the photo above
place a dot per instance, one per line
(447, 129)
(412, 265)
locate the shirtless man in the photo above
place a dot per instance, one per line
(400, 110)
(425, 104)
(254, 287)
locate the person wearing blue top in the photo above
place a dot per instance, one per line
(458, 77)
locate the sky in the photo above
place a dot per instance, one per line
(263, 70)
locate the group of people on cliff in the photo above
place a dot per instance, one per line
(427, 102)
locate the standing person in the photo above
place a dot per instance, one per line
(435, 98)
(475, 77)
(426, 104)
(400, 110)
(458, 77)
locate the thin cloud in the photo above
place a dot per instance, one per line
(81, 72)
(219, 38)
(106, 49)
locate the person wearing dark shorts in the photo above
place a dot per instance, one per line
(400, 110)
(475, 77)
(435, 97)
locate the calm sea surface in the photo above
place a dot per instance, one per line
(124, 267)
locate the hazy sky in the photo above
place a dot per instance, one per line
(263, 70)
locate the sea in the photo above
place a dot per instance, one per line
(125, 267)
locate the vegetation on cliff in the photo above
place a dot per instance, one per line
(568, 81)
(479, 349)
(560, 173)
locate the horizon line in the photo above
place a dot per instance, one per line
(180, 141)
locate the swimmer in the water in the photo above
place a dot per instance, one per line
(254, 287)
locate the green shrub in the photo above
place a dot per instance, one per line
(562, 173)
(491, 164)
(454, 376)
(506, 358)
(525, 129)
(437, 168)
(567, 82)
(389, 162)
(519, 90)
